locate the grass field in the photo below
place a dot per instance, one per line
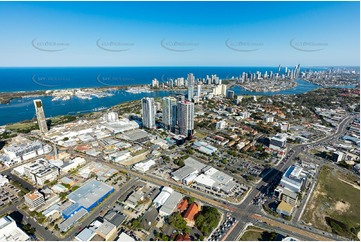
(335, 205)
(22, 127)
(252, 234)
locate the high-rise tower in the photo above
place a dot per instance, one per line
(186, 118)
(148, 112)
(40, 116)
(169, 109)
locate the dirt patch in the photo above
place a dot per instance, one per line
(342, 206)
(349, 183)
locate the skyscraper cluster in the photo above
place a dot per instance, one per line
(178, 112)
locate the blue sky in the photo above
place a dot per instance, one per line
(179, 33)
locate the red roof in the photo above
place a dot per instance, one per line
(182, 205)
(183, 237)
(191, 212)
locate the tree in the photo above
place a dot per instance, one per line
(63, 195)
(176, 220)
(74, 188)
(166, 158)
(186, 230)
(136, 224)
(191, 200)
(189, 151)
(207, 219)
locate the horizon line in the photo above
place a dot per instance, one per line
(305, 66)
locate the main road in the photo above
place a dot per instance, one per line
(246, 205)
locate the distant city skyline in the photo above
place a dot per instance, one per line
(82, 34)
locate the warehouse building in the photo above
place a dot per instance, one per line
(170, 204)
(163, 196)
(87, 197)
(144, 166)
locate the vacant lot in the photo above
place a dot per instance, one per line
(257, 234)
(335, 204)
(25, 127)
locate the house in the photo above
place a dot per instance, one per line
(182, 206)
(192, 210)
(183, 237)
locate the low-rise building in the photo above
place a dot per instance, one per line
(124, 237)
(284, 208)
(182, 206)
(170, 204)
(85, 235)
(144, 166)
(191, 212)
(87, 196)
(9, 231)
(107, 230)
(163, 196)
(134, 198)
(221, 124)
(337, 156)
(69, 222)
(34, 199)
(115, 218)
(41, 171)
(293, 179)
(3, 180)
(204, 147)
(25, 151)
(286, 195)
(45, 175)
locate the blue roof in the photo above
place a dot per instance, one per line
(289, 171)
(71, 210)
(353, 139)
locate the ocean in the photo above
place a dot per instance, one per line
(30, 79)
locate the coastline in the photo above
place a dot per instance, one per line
(7, 97)
(259, 86)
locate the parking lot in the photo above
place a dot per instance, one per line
(8, 194)
(223, 228)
